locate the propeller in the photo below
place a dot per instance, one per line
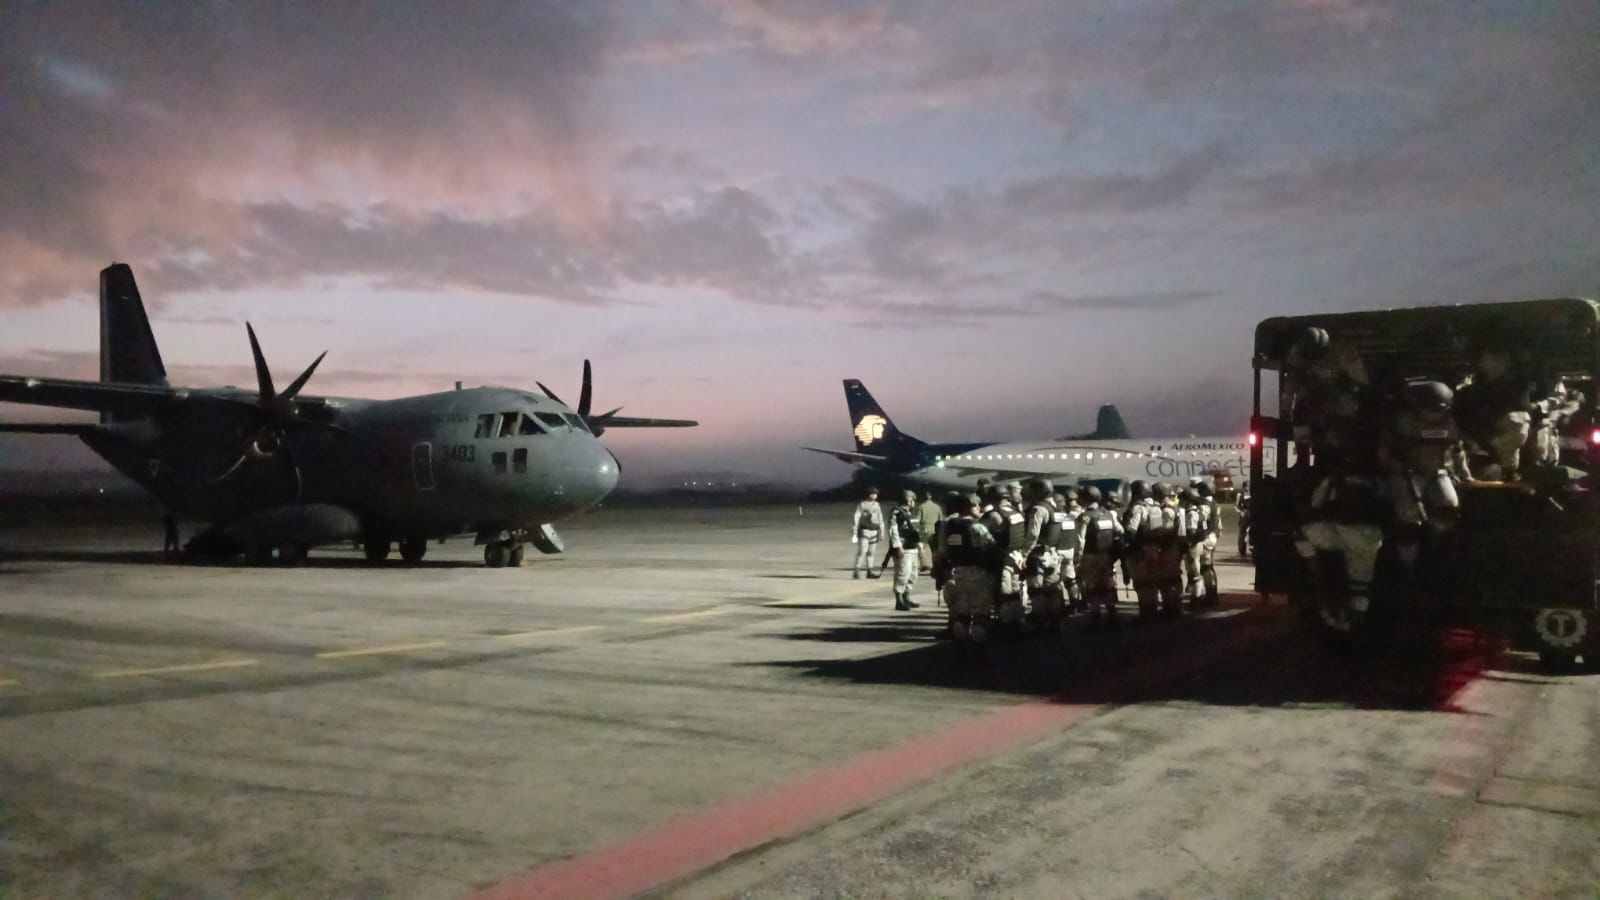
(274, 412)
(597, 424)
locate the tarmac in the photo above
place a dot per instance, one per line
(703, 703)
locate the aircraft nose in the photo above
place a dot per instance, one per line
(606, 472)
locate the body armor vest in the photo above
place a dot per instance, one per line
(959, 547)
(1016, 531)
(1102, 534)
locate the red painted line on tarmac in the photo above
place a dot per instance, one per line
(679, 848)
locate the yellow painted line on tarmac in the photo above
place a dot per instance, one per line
(684, 617)
(548, 632)
(373, 651)
(179, 669)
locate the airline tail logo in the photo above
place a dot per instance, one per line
(870, 429)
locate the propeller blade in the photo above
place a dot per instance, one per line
(549, 393)
(605, 415)
(587, 393)
(263, 376)
(305, 376)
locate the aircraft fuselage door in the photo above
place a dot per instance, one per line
(422, 466)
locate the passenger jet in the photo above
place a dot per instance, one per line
(1107, 453)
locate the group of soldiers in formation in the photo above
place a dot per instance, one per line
(1019, 553)
(1378, 457)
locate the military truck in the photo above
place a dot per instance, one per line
(1520, 552)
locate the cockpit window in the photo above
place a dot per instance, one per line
(485, 426)
(529, 426)
(508, 424)
(553, 420)
(575, 421)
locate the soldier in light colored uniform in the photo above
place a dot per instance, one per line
(961, 569)
(1043, 537)
(1070, 585)
(866, 529)
(903, 543)
(1098, 541)
(1172, 535)
(928, 516)
(1194, 516)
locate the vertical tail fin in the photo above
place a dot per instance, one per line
(874, 431)
(1108, 425)
(128, 351)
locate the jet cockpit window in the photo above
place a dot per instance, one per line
(485, 426)
(529, 426)
(553, 420)
(575, 421)
(508, 424)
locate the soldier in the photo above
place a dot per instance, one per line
(1141, 524)
(1043, 541)
(1070, 586)
(1344, 531)
(1426, 459)
(866, 529)
(1172, 537)
(903, 543)
(1098, 541)
(960, 569)
(1241, 502)
(1194, 516)
(928, 516)
(1495, 409)
(1213, 536)
(1008, 563)
(1551, 415)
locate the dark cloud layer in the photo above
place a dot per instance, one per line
(455, 147)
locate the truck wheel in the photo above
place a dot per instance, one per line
(1558, 661)
(376, 549)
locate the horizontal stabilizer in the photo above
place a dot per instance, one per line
(850, 456)
(44, 428)
(122, 399)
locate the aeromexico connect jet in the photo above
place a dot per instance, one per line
(1107, 454)
(281, 471)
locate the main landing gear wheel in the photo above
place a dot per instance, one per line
(413, 549)
(293, 554)
(258, 555)
(496, 554)
(376, 549)
(514, 557)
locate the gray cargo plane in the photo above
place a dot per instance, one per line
(277, 471)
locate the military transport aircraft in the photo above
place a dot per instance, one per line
(278, 471)
(1107, 453)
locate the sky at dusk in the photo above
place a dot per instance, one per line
(999, 215)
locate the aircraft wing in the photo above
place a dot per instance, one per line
(636, 422)
(849, 456)
(136, 399)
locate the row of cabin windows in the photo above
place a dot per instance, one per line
(1104, 454)
(519, 461)
(511, 424)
